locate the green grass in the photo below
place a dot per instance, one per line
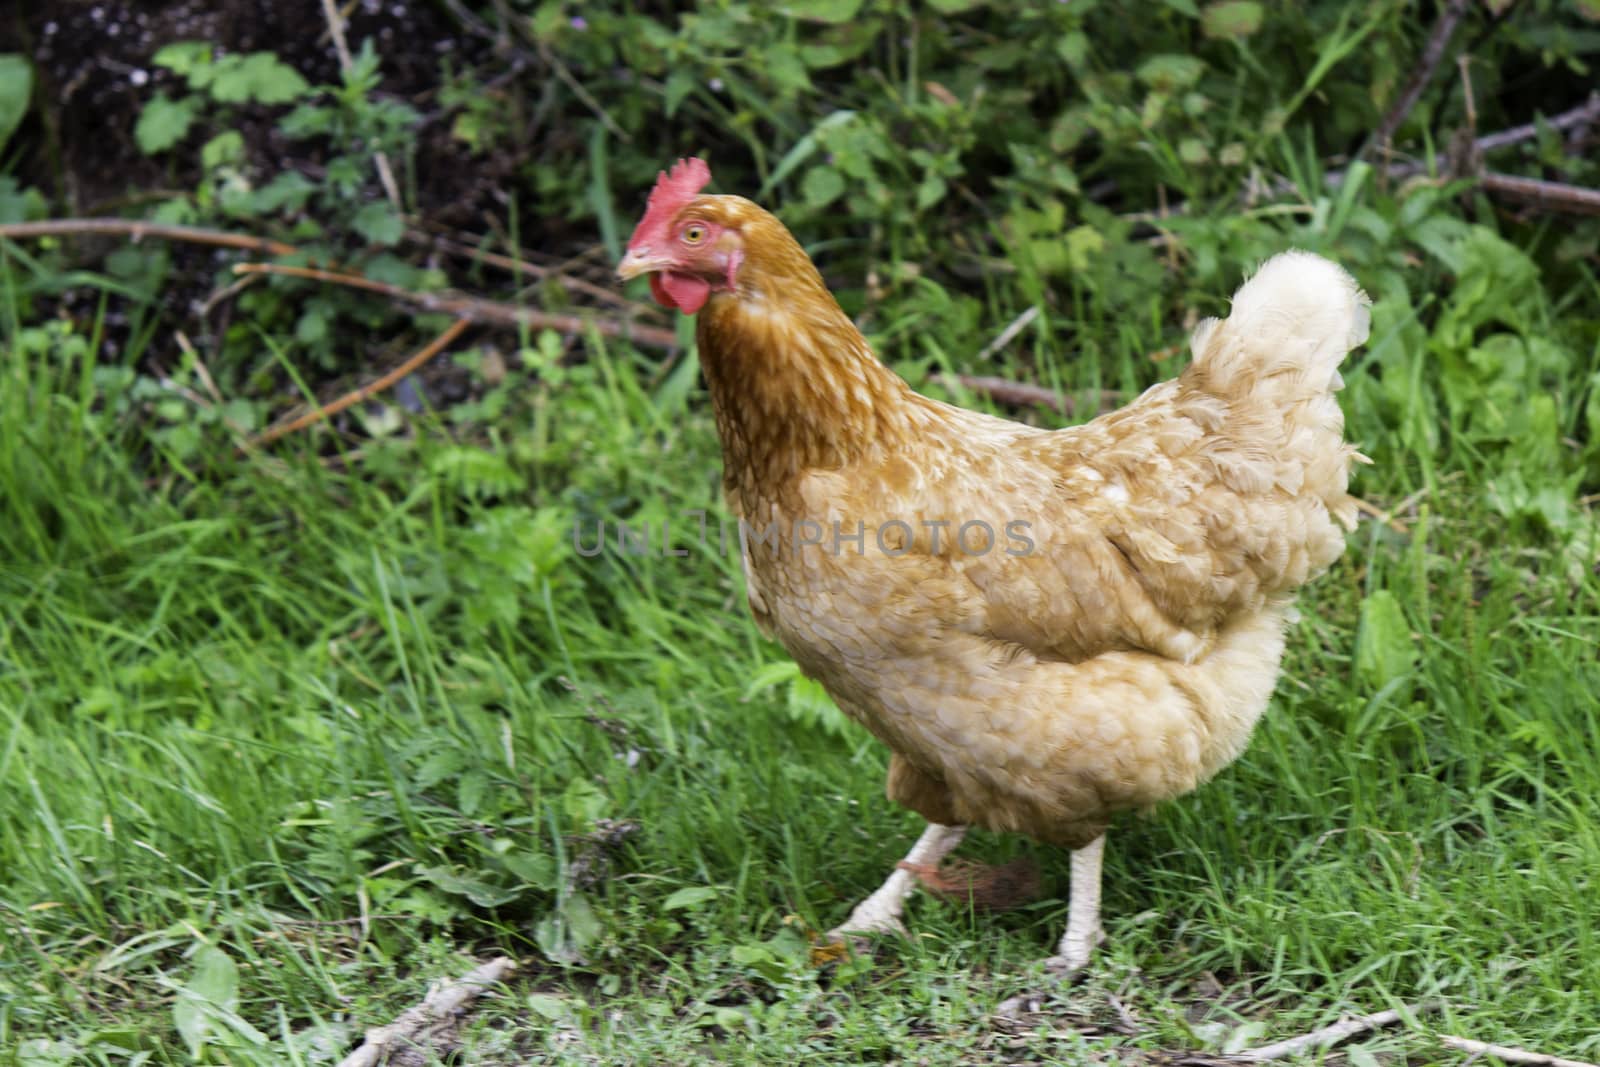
(287, 738)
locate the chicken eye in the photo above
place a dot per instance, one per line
(694, 234)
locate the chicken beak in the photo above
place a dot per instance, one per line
(639, 261)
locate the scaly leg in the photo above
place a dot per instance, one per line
(1083, 911)
(880, 913)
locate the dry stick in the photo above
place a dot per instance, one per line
(1581, 115)
(1557, 196)
(1331, 1035)
(515, 265)
(583, 94)
(1373, 511)
(340, 45)
(1432, 53)
(355, 396)
(442, 1001)
(486, 312)
(1009, 334)
(1022, 394)
(1584, 113)
(1507, 1053)
(135, 230)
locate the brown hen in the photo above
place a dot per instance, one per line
(1045, 627)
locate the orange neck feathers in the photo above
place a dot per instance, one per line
(793, 383)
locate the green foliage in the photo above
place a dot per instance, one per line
(303, 727)
(16, 89)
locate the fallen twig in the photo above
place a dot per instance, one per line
(355, 396)
(1022, 394)
(1581, 115)
(1573, 118)
(486, 312)
(1009, 334)
(135, 230)
(583, 95)
(1373, 511)
(441, 1005)
(1332, 1035)
(516, 265)
(1432, 53)
(1556, 196)
(1507, 1053)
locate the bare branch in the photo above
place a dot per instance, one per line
(519, 265)
(1554, 196)
(1581, 115)
(486, 312)
(1332, 1035)
(441, 1005)
(135, 230)
(1507, 1053)
(355, 396)
(1432, 53)
(1009, 334)
(1022, 394)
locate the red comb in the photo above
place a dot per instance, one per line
(671, 193)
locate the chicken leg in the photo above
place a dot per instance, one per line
(1083, 911)
(880, 913)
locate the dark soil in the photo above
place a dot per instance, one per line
(93, 63)
(95, 77)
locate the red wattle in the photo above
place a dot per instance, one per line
(659, 291)
(684, 291)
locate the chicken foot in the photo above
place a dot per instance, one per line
(1083, 911)
(1083, 929)
(880, 913)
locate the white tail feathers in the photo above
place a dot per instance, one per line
(1293, 322)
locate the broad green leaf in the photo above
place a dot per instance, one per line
(260, 76)
(164, 122)
(690, 897)
(16, 88)
(821, 186)
(471, 788)
(566, 933)
(473, 888)
(533, 868)
(680, 83)
(786, 71)
(1083, 244)
(1073, 48)
(214, 985)
(1170, 73)
(830, 11)
(1231, 18)
(549, 1006)
(184, 58)
(272, 81)
(289, 191)
(803, 148)
(1383, 641)
(583, 801)
(18, 204)
(224, 149)
(379, 223)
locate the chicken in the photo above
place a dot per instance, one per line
(1045, 627)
